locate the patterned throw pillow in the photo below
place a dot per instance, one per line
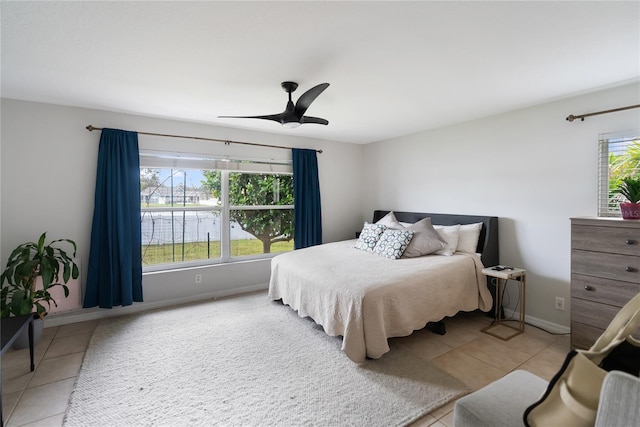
(369, 236)
(392, 243)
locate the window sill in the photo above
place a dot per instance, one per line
(198, 266)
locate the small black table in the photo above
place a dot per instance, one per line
(12, 327)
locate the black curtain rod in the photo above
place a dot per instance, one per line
(571, 117)
(225, 141)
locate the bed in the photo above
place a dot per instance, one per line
(367, 299)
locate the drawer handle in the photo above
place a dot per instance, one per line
(630, 242)
(589, 288)
(631, 269)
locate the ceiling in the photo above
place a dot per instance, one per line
(395, 68)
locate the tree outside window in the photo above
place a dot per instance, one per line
(249, 194)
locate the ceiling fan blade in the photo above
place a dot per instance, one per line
(307, 98)
(318, 120)
(293, 115)
(274, 117)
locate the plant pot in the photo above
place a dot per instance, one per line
(23, 340)
(630, 210)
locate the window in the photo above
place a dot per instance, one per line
(261, 205)
(619, 157)
(200, 211)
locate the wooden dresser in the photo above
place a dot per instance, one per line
(605, 273)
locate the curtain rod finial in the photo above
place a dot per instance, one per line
(571, 118)
(90, 128)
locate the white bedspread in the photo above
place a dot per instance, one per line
(366, 298)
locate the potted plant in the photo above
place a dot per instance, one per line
(27, 262)
(630, 189)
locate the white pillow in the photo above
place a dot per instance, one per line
(390, 221)
(450, 234)
(393, 243)
(369, 236)
(468, 237)
(426, 239)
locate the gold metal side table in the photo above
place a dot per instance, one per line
(502, 274)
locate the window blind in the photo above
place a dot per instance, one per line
(158, 159)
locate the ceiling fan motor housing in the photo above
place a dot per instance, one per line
(289, 86)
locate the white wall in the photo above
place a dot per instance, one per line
(48, 179)
(529, 167)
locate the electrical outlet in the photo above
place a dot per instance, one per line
(198, 278)
(559, 303)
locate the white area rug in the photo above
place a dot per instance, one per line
(244, 361)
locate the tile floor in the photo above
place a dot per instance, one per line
(40, 398)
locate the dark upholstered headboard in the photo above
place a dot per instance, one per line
(487, 243)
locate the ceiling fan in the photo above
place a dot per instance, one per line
(293, 116)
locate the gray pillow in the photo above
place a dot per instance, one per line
(425, 241)
(390, 221)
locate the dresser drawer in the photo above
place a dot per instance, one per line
(619, 240)
(583, 336)
(592, 313)
(601, 290)
(609, 266)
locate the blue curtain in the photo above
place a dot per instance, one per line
(114, 276)
(307, 215)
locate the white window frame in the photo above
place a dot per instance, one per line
(617, 142)
(181, 161)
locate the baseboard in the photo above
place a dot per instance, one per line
(554, 328)
(86, 314)
(95, 313)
